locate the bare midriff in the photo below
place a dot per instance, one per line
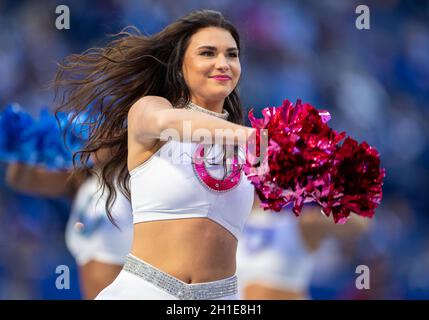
(193, 250)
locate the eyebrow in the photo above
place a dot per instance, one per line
(214, 48)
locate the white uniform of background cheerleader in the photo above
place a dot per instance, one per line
(271, 252)
(90, 235)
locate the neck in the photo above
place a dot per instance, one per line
(215, 106)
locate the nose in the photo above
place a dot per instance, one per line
(222, 63)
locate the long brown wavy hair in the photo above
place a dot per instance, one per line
(102, 84)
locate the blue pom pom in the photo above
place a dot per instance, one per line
(15, 124)
(46, 141)
(58, 142)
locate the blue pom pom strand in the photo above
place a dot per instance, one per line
(15, 123)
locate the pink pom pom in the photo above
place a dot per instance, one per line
(301, 161)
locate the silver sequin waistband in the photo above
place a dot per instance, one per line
(178, 288)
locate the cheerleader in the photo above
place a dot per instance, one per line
(98, 247)
(190, 198)
(277, 254)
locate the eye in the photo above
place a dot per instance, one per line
(233, 54)
(207, 53)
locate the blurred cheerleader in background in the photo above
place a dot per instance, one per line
(98, 246)
(276, 256)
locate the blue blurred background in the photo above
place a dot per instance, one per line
(374, 82)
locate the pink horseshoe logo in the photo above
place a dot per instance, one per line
(230, 182)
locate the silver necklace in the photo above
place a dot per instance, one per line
(224, 115)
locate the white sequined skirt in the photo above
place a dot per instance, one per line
(139, 280)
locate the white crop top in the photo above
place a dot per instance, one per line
(174, 183)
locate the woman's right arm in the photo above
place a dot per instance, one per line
(315, 227)
(153, 117)
(38, 181)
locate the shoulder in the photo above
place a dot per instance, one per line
(148, 103)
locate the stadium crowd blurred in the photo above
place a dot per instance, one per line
(374, 82)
